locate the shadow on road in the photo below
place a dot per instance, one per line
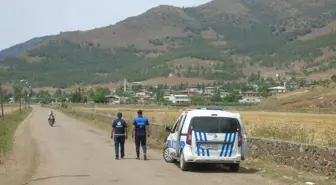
(213, 168)
(59, 126)
(141, 159)
(52, 177)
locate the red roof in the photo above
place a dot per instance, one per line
(250, 92)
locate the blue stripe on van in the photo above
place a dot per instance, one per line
(201, 139)
(169, 145)
(228, 145)
(233, 144)
(222, 150)
(197, 145)
(206, 139)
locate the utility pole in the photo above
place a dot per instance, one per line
(25, 99)
(29, 95)
(20, 100)
(1, 102)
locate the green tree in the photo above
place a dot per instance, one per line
(17, 90)
(216, 97)
(333, 78)
(231, 98)
(100, 97)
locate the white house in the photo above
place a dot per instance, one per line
(223, 94)
(277, 90)
(113, 99)
(142, 94)
(179, 98)
(251, 99)
(11, 100)
(210, 90)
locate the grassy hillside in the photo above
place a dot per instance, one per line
(223, 39)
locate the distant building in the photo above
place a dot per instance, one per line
(247, 99)
(277, 90)
(11, 100)
(250, 94)
(113, 99)
(210, 90)
(179, 98)
(143, 94)
(223, 94)
(166, 94)
(250, 97)
(187, 91)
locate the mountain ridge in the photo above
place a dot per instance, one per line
(232, 39)
(18, 48)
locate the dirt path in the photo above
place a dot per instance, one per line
(72, 153)
(22, 161)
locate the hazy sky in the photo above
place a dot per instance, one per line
(21, 20)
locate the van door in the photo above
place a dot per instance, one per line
(215, 136)
(180, 143)
(172, 138)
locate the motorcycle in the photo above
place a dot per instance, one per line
(51, 120)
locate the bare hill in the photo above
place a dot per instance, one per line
(234, 38)
(140, 31)
(315, 98)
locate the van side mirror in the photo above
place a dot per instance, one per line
(168, 129)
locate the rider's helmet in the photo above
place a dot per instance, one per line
(51, 112)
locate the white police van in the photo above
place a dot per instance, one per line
(206, 135)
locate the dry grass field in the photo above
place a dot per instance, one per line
(8, 108)
(316, 99)
(301, 127)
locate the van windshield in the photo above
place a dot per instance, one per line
(215, 124)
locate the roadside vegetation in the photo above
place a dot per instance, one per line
(300, 127)
(8, 127)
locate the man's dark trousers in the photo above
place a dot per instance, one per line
(140, 140)
(119, 140)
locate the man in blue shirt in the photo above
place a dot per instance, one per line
(141, 132)
(119, 133)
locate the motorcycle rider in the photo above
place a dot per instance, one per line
(51, 116)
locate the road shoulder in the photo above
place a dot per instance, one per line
(22, 160)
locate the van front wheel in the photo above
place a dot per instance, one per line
(234, 167)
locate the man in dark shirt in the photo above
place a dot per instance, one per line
(141, 132)
(119, 133)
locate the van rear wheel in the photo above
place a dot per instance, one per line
(234, 167)
(184, 166)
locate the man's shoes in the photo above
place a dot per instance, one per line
(138, 158)
(117, 158)
(145, 157)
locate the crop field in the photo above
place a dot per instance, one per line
(301, 127)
